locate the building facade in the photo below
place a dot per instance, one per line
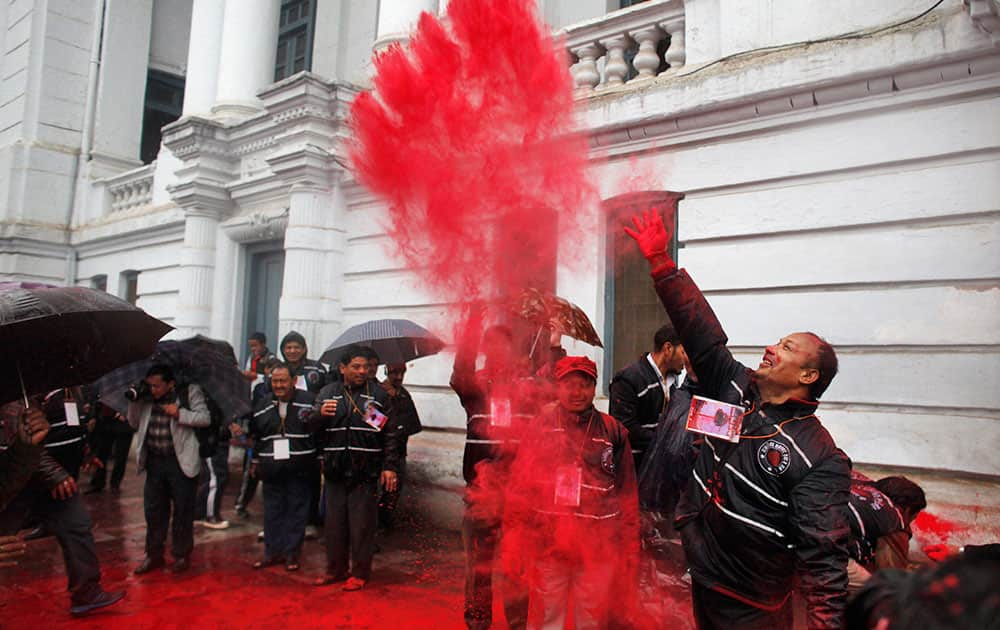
(835, 169)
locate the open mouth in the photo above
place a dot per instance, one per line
(766, 362)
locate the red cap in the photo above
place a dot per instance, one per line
(567, 365)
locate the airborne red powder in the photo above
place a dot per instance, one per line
(467, 135)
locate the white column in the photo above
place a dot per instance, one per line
(194, 300)
(315, 245)
(247, 54)
(204, 47)
(396, 18)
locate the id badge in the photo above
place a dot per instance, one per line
(281, 449)
(568, 482)
(500, 412)
(374, 417)
(715, 418)
(300, 383)
(72, 414)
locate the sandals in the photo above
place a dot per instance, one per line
(328, 579)
(354, 584)
(267, 562)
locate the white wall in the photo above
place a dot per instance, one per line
(170, 35)
(879, 229)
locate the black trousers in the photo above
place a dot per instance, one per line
(212, 484)
(351, 512)
(286, 508)
(315, 497)
(69, 521)
(714, 610)
(167, 486)
(248, 483)
(110, 447)
(480, 539)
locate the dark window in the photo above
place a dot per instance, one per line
(633, 309)
(295, 38)
(130, 286)
(628, 3)
(164, 102)
(99, 282)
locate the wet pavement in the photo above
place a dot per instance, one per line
(417, 579)
(416, 582)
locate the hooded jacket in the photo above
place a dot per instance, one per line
(312, 371)
(772, 506)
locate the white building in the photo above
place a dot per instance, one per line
(849, 186)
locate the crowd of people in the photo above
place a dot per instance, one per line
(562, 501)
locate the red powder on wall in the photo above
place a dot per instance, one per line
(935, 526)
(467, 137)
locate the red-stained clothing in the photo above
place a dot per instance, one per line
(544, 536)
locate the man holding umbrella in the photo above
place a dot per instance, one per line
(165, 421)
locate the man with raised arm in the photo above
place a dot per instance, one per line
(773, 505)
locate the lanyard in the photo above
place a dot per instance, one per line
(354, 405)
(586, 436)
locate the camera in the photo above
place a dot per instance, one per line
(137, 391)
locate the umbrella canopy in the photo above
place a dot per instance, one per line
(547, 310)
(192, 362)
(64, 336)
(395, 341)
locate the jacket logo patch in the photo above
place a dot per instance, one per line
(608, 460)
(773, 457)
(313, 377)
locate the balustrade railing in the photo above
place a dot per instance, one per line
(131, 189)
(628, 46)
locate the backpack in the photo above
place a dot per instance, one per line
(210, 436)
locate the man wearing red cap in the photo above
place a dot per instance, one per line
(572, 509)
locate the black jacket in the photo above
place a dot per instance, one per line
(351, 447)
(403, 412)
(666, 469)
(64, 443)
(773, 505)
(312, 371)
(873, 515)
(265, 427)
(636, 399)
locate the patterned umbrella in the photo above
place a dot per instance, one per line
(193, 361)
(394, 340)
(56, 337)
(545, 309)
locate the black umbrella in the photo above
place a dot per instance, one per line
(56, 337)
(394, 340)
(192, 361)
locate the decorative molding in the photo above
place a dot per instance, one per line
(259, 225)
(309, 165)
(985, 14)
(193, 136)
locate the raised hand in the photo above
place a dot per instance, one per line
(652, 237)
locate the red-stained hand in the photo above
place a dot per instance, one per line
(651, 235)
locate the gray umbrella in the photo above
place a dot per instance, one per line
(394, 340)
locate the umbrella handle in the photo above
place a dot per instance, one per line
(534, 343)
(24, 392)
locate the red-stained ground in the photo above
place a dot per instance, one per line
(417, 581)
(417, 578)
